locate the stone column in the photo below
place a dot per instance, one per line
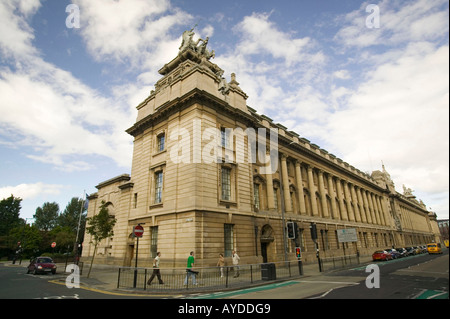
(382, 219)
(287, 194)
(372, 210)
(355, 201)
(341, 200)
(351, 215)
(301, 196)
(323, 196)
(361, 201)
(366, 205)
(269, 188)
(334, 210)
(312, 190)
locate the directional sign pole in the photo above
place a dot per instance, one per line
(137, 232)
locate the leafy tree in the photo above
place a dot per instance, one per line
(30, 239)
(100, 227)
(9, 214)
(71, 218)
(64, 238)
(46, 216)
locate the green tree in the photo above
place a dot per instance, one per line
(64, 238)
(30, 239)
(70, 218)
(9, 214)
(71, 214)
(100, 227)
(46, 216)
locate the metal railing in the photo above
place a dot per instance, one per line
(339, 262)
(208, 278)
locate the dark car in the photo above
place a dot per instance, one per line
(41, 265)
(403, 252)
(395, 254)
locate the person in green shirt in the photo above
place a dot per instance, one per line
(189, 271)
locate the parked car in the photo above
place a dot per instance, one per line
(41, 265)
(381, 255)
(402, 251)
(418, 250)
(395, 254)
(411, 250)
(434, 248)
(423, 248)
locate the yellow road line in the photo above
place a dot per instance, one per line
(109, 292)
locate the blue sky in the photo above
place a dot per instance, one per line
(367, 95)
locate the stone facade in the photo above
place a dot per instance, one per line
(195, 186)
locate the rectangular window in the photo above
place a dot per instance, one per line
(161, 142)
(228, 239)
(256, 195)
(154, 241)
(225, 134)
(158, 187)
(226, 183)
(275, 198)
(135, 200)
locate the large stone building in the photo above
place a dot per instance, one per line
(211, 175)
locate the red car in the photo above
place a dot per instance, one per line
(381, 255)
(41, 265)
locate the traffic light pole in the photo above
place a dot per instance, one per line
(316, 244)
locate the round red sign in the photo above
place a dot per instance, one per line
(138, 231)
(53, 245)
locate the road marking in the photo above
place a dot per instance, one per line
(110, 292)
(431, 294)
(345, 284)
(224, 294)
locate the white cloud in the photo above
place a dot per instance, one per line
(400, 115)
(400, 22)
(260, 36)
(47, 108)
(342, 74)
(30, 191)
(16, 35)
(130, 31)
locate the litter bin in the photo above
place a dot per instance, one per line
(268, 271)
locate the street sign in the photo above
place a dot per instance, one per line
(53, 245)
(138, 231)
(347, 235)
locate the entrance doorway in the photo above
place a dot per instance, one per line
(266, 240)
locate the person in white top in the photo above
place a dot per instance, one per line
(156, 271)
(236, 260)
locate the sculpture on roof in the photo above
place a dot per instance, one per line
(188, 43)
(407, 191)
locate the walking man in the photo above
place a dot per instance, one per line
(221, 264)
(156, 271)
(189, 271)
(236, 259)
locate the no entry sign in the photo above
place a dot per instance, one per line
(138, 231)
(53, 245)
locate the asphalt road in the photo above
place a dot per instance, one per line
(15, 283)
(416, 277)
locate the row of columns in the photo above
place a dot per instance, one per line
(367, 207)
